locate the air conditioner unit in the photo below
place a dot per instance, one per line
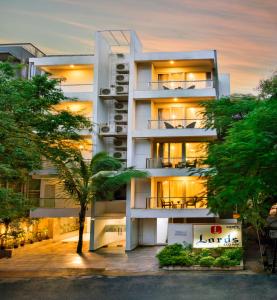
(106, 91)
(121, 89)
(124, 68)
(119, 143)
(107, 128)
(120, 118)
(112, 129)
(124, 164)
(122, 78)
(121, 129)
(120, 154)
(120, 105)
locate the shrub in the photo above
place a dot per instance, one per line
(205, 252)
(235, 254)
(206, 261)
(183, 260)
(222, 261)
(166, 260)
(172, 250)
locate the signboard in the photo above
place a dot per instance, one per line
(217, 235)
(180, 233)
(273, 234)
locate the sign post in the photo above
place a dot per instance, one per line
(217, 235)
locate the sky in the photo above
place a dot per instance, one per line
(244, 32)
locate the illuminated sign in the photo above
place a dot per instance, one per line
(216, 235)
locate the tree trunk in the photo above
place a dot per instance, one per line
(82, 216)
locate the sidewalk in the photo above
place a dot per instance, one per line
(48, 258)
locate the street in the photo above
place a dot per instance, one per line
(170, 286)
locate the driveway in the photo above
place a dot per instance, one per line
(49, 258)
(183, 286)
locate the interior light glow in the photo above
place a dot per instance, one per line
(172, 62)
(175, 99)
(72, 66)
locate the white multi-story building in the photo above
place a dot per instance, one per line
(146, 107)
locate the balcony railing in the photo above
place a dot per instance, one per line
(176, 124)
(76, 88)
(53, 203)
(175, 85)
(176, 202)
(173, 162)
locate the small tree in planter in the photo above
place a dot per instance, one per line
(13, 207)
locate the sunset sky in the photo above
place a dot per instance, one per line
(244, 32)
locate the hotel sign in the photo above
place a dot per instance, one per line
(217, 235)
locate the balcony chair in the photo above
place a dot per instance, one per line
(181, 164)
(191, 163)
(166, 164)
(166, 204)
(191, 87)
(168, 125)
(191, 125)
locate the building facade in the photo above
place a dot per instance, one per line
(145, 107)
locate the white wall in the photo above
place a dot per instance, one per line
(224, 85)
(142, 151)
(102, 238)
(143, 75)
(162, 227)
(142, 191)
(148, 232)
(180, 233)
(143, 114)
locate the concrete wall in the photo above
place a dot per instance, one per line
(142, 114)
(142, 151)
(142, 191)
(148, 232)
(109, 207)
(101, 237)
(224, 85)
(180, 233)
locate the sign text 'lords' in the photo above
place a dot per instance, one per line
(216, 235)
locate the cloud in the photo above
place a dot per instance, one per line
(243, 32)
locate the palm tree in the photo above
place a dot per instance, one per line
(88, 182)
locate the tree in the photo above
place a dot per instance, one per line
(13, 207)
(29, 126)
(89, 182)
(243, 162)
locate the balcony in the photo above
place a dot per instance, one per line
(176, 202)
(173, 88)
(175, 85)
(76, 88)
(176, 124)
(172, 162)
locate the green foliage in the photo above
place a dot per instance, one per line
(206, 261)
(87, 182)
(177, 255)
(222, 261)
(234, 254)
(243, 161)
(29, 125)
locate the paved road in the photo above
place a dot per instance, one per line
(174, 286)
